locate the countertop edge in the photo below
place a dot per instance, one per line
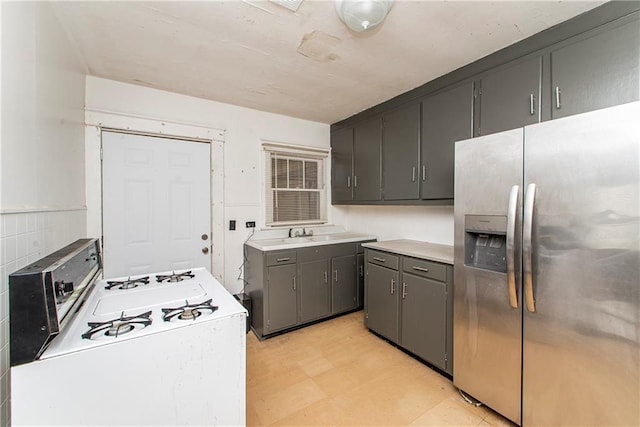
(416, 249)
(285, 246)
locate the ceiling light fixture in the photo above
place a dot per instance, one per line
(362, 15)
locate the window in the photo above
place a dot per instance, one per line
(295, 190)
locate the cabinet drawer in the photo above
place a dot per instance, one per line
(424, 268)
(279, 258)
(382, 258)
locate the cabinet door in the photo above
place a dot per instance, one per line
(360, 289)
(282, 308)
(510, 97)
(597, 72)
(343, 271)
(366, 159)
(424, 314)
(446, 117)
(400, 144)
(382, 301)
(315, 290)
(341, 165)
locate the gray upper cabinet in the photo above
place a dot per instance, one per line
(342, 165)
(367, 144)
(596, 72)
(510, 97)
(400, 148)
(446, 117)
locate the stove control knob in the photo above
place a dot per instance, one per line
(205, 250)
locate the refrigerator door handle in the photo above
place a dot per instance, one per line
(511, 235)
(527, 229)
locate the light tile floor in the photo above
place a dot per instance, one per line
(338, 373)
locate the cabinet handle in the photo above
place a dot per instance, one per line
(282, 259)
(426, 270)
(532, 107)
(393, 284)
(325, 277)
(335, 273)
(375, 258)
(424, 172)
(355, 181)
(349, 181)
(404, 290)
(413, 174)
(294, 283)
(557, 97)
(361, 271)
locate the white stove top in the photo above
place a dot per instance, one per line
(110, 305)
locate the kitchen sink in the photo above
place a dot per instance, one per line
(296, 240)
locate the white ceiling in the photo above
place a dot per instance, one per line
(257, 54)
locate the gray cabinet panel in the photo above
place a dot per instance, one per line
(382, 301)
(424, 318)
(400, 148)
(282, 300)
(366, 160)
(360, 288)
(597, 72)
(315, 290)
(510, 97)
(446, 117)
(343, 272)
(341, 165)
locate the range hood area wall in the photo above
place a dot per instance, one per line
(244, 129)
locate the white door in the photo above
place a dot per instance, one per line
(156, 204)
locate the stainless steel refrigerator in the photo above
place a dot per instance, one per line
(547, 270)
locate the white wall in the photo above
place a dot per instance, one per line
(428, 223)
(244, 130)
(42, 150)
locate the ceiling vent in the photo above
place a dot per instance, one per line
(292, 5)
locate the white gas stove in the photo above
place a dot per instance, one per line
(159, 349)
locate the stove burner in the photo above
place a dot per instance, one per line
(127, 284)
(175, 277)
(188, 311)
(116, 327)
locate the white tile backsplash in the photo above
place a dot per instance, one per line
(25, 238)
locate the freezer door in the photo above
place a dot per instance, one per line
(487, 357)
(582, 311)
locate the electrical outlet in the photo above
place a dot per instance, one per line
(250, 224)
(232, 224)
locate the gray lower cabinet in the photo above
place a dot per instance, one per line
(400, 149)
(282, 310)
(360, 289)
(314, 287)
(596, 72)
(381, 308)
(343, 285)
(367, 140)
(408, 303)
(289, 288)
(447, 117)
(510, 96)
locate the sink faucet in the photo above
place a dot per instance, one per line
(290, 230)
(305, 234)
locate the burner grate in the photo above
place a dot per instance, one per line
(127, 284)
(188, 311)
(175, 277)
(117, 327)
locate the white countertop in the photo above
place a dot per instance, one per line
(416, 249)
(326, 236)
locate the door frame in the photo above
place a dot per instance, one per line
(97, 120)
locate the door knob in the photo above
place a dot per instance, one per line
(204, 237)
(205, 250)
